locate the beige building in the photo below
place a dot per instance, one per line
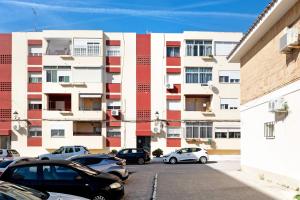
(270, 92)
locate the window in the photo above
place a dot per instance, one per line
(35, 131)
(57, 133)
(173, 132)
(35, 105)
(69, 150)
(198, 74)
(113, 132)
(80, 74)
(57, 73)
(34, 78)
(113, 104)
(229, 76)
(86, 47)
(234, 135)
(173, 104)
(113, 51)
(198, 47)
(198, 130)
(173, 51)
(4, 164)
(91, 102)
(77, 149)
(220, 134)
(25, 173)
(229, 104)
(174, 78)
(197, 103)
(61, 173)
(269, 130)
(224, 48)
(35, 50)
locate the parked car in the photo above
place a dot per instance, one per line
(187, 155)
(6, 163)
(64, 176)
(9, 191)
(64, 152)
(134, 155)
(104, 163)
(8, 154)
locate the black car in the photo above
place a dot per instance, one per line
(65, 176)
(134, 155)
(9, 191)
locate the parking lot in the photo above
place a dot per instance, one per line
(188, 181)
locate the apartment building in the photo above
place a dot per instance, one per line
(115, 90)
(270, 92)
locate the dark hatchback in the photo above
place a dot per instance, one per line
(134, 155)
(64, 176)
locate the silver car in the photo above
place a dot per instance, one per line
(8, 154)
(104, 163)
(64, 152)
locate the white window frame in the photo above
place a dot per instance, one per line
(173, 132)
(269, 130)
(35, 131)
(113, 104)
(34, 102)
(174, 105)
(229, 103)
(59, 132)
(198, 48)
(113, 51)
(37, 76)
(198, 74)
(87, 47)
(233, 76)
(197, 127)
(56, 72)
(35, 50)
(115, 132)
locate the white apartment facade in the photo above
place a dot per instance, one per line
(119, 90)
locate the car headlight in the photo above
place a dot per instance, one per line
(115, 185)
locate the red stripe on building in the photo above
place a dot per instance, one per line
(113, 87)
(173, 118)
(34, 87)
(34, 141)
(173, 97)
(113, 69)
(113, 141)
(113, 60)
(34, 96)
(34, 69)
(113, 121)
(35, 122)
(173, 61)
(5, 83)
(34, 114)
(173, 142)
(143, 82)
(173, 43)
(113, 42)
(35, 42)
(34, 60)
(173, 70)
(113, 96)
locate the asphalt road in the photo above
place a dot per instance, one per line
(187, 182)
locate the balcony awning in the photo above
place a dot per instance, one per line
(5, 132)
(90, 95)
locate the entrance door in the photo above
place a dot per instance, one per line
(143, 142)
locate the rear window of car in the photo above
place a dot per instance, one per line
(5, 163)
(1, 151)
(25, 173)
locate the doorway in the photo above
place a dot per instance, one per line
(143, 142)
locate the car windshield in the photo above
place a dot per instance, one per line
(58, 151)
(5, 163)
(12, 152)
(85, 169)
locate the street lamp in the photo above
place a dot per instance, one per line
(16, 114)
(157, 115)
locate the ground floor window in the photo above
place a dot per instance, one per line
(35, 131)
(198, 129)
(234, 134)
(173, 132)
(57, 133)
(220, 134)
(269, 130)
(113, 133)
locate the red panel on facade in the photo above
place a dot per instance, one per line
(173, 97)
(113, 120)
(173, 43)
(143, 80)
(113, 42)
(35, 42)
(173, 70)
(174, 117)
(113, 87)
(35, 122)
(113, 96)
(34, 114)
(34, 87)
(34, 96)
(173, 142)
(34, 69)
(113, 69)
(5, 83)
(34, 141)
(113, 60)
(176, 89)
(113, 141)
(173, 61)
(34, 60)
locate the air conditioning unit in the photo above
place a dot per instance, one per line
(278, 105)
(115, 112)
(289, 40)
(170, 86)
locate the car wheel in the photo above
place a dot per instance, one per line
(203, 160)
(100, 197)
(173, 160)
(141, 161)
(45, 158)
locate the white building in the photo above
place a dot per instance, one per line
(115, 90)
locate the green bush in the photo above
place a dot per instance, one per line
(114, 152)
(157, 152)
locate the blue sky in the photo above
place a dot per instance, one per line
(130, 15)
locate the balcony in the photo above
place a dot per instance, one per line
(90, 102)
(198, 103)
(83, 128)
(59, 46)
(59, 102)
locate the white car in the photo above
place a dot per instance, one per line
(187, 155)
(8, 154)
(64, 152)
(6, 163)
